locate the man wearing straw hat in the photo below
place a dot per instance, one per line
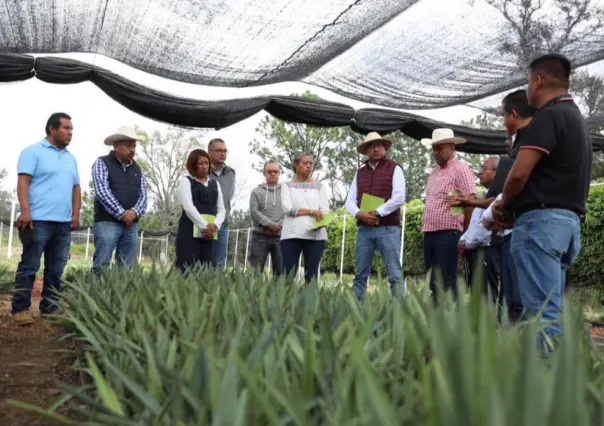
(120, 199)
(378, 227)
(443, 224)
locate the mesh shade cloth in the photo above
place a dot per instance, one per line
(217, 114)
(406, 54)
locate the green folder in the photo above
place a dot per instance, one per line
(198, 233)
(327, 218)
(370, 203)
(455, 210)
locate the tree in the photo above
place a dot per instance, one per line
(336, 157)
(485, 120)
(532, 29)
(282, 142)
(163, 157)
(87, 210)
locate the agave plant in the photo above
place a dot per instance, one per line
(228, 348)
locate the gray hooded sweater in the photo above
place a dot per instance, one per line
(265, 207)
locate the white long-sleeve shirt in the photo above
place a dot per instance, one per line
(184, 196)
(296, 196)
(397, 199)
(476, 235)
(487, 216)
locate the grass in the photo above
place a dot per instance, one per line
(237, 349)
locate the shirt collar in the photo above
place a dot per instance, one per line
(47, 144)
(557, 99)
(449, 162)
(122, 164)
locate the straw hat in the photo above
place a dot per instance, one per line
(124, 133)
(371, 138)
(442, 136)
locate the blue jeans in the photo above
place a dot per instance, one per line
(312, 252)
(387, 240)
(53, 240)
(509, 281)
(544, 243)
(219, 246)
(110, 236)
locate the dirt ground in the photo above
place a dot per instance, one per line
(30, 365)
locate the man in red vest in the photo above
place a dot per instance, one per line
(379, 226)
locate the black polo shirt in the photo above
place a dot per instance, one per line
(561, 178)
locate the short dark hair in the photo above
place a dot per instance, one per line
(54, 121)
(518, 101)
(193, 159)
(214, 142)
(555, 67)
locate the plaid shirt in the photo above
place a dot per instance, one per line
(453, 176)
(102, 192)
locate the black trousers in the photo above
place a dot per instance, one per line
(441, 256)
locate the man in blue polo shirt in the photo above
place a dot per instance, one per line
(49, 195)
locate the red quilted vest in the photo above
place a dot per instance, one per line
(378, 182)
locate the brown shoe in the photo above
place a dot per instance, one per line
(23, 318)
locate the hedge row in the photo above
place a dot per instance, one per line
(587, 271)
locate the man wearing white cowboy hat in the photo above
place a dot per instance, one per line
(120, 189)
(378, 228)
(442, 224)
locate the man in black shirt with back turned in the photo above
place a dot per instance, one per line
(546, 190)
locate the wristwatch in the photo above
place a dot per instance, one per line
(377, 214)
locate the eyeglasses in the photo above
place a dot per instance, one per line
(272, 172)
(220, 151)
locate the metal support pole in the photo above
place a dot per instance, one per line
(247, 248)
(167, 247)
(140, 249)
(401, 257)
(228, 234)
(87, 243)
(11, 230)
(236, 246)
(342, 249)
(1, 234)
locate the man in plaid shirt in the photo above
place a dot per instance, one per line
(120, 199)
(443, 224)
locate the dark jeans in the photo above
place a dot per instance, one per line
(475, 260)
(260, 248)
(441, 256)
(493, 259)
(53, 240)
(312, 252)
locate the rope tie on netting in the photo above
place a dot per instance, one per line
(33, 67)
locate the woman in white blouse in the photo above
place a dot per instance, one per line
(303, 201)
(198, 195)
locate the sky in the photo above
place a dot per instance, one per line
(25, 106)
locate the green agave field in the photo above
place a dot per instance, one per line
(237, 349)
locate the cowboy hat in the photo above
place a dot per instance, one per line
(373, 137)
(124, 133)
(442, 136)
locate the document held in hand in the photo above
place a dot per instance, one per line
(327, 218)
(455, 210)
(370, 203)
(198, 233)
